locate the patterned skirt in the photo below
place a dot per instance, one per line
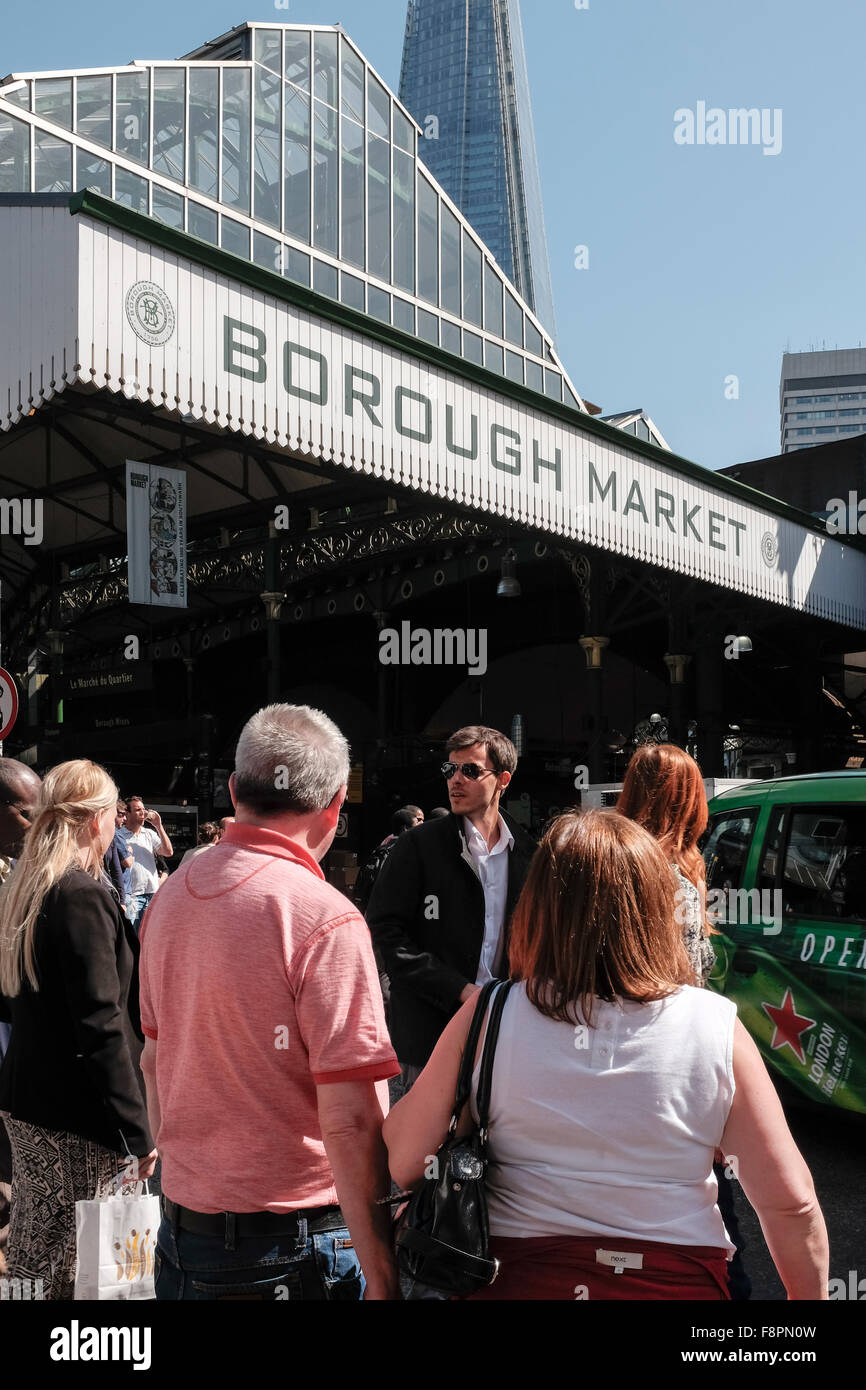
(51, 1171)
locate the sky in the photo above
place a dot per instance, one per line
(704, 262)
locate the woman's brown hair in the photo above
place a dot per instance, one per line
(596, 918)
(664, 792)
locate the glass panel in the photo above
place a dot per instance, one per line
(404, 315)
(473, 347)
(378, 108)
(235, 237)
(297, 266)
(643, 430)
(167, 207)
(378, 304)
(825, 864)
(534, 341)
(325, 279)
(513, 320)
(236, 139)
(131, 115)
(268, 253)
(451, 299)
(553, 385)
(514, 366)
(266, 169)
(404, 221)
(169, 94)
(21, 97)
(203, 125)
(130, 190)
(201, 222)
(326, 165)
(266, 48)
(52, 164)
(53, 99)
(404, 132)
(352, 205)
(93, 113)
(451, 337)
(534, 376)
(352, 97)
(93, 172)
(492, 301)
(471, 281)
(379, 208)
(326, 68)
(494, 358)
(296, 157)
(428, 242)
(352, 291)
(14, 155)
(570, 398)
(727, 848)
(298, 59)
(428, 327)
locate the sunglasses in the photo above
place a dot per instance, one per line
(25, 812)
(471, 771)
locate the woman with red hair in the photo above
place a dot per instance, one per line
(615, 1080)
(664, 792)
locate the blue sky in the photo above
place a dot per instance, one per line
(705, 262)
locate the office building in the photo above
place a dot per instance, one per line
(465, 81)
(822, 397)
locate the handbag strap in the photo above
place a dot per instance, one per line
(467, 1065)
(485, 1074)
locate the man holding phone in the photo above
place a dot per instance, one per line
(145, 839)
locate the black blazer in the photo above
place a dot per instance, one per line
(73, 1059)
(426, 914)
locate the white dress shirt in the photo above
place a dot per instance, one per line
(491, 865)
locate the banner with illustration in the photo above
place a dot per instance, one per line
(156, 534)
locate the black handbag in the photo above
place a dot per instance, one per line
(443, 1234)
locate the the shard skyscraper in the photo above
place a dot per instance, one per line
(464, 64)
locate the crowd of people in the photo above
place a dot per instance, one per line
(229, 1024)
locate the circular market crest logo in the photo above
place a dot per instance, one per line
(150, 313)
(770, 549)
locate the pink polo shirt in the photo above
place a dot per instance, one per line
(258, 983)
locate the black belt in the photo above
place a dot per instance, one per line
(253, 1223)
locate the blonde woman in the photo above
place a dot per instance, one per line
(71, 1092)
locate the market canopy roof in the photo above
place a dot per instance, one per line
(100, 300)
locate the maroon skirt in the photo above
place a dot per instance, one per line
(568, 1268)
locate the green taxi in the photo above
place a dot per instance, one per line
(786, 891)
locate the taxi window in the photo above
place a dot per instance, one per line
(824, 873)
(726, 847)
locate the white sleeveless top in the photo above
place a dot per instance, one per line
(611, 1130)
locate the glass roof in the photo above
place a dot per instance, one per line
(281, 144)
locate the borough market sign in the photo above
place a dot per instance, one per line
(199, 333)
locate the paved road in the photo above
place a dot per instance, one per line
(833, 1146)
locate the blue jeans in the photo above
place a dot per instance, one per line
(135, 906)
(271, 1269)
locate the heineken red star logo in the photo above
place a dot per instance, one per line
(788, 1025)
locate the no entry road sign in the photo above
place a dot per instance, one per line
(8, 704)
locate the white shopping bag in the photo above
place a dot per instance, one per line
(115, 1244)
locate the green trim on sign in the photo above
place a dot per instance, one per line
(236, 268)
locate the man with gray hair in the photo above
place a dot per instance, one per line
(267, 1057)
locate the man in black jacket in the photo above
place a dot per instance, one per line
(440, 909)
